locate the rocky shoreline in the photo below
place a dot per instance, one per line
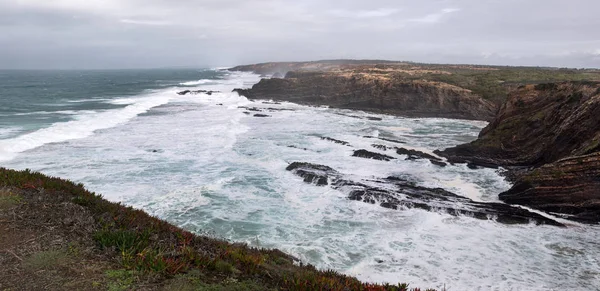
(547, 134)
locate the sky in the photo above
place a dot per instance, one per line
(109, 34)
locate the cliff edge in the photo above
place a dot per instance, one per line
(375, 90)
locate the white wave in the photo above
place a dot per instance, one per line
(196, 83)
(83, 126)
(9, 131)
(210, 167)
(88, 100)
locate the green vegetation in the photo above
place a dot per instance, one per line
(494, 83)
(8, 199)
(145, 247)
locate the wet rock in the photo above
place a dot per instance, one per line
(261, 115)
(386, 139)
(250, 108)
(399, 193)
(414, 154)
(315, 174)
(382, 147)
(374, 118)
(371, 155)
(438, 163)
(194, 92)
(335, 140)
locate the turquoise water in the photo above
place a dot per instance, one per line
(202, 163)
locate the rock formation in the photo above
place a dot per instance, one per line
(397, 193)
(553, 129)
(376, 92)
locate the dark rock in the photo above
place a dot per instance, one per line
(414, 154)
(382, 147)
(398, 193)
(357, 90)
(438, 163)
(569, 186)
(472, 166)
(375, 118)
(207, 92)
(250, 108)
(372, 155)
(335, 140)
(548, 137)
(314, 174)
(261, 115)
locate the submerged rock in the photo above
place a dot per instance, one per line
(371, 155)
(335, 140)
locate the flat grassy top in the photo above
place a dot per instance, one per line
(491, 82)
(55, 235)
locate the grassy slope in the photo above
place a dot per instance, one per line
(56, 235)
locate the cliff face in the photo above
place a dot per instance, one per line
(539, 124)
(555, 129)
(570, 186)
(374, 91)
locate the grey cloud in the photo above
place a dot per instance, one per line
(159, 33)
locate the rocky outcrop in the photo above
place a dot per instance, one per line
(569, 186)
(374, 92)
(538, 124)
(398, 193)
(553, 129)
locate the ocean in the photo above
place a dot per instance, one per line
(208, 164)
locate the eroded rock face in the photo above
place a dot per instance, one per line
(538, 124)
(570, 186)
(554, 130)
(374, 92)
(398, 193)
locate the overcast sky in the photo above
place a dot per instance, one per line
(71, 34)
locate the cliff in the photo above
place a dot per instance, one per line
(374, 90)
(553, 129)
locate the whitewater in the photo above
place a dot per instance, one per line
(208, 164)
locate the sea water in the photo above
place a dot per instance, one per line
(207, 164)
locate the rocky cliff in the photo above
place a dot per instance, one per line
(377, 90)
(553, 129)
